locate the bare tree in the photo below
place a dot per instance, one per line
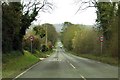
(85, 4)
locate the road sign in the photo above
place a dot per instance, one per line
(31, 38)
(101, 38)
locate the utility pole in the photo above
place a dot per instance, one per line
(46, 36)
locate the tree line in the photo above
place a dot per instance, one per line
(85, 39)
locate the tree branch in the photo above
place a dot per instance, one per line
(90, 3)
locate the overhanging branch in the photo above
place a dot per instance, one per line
(90, 3)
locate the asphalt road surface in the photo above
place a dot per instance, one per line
(64, 65)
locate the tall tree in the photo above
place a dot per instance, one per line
(51, 32)
(30, 11)
(39, 30)
(11, 15)
(106, 11)
(17, 18)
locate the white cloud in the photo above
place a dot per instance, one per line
(65, 11)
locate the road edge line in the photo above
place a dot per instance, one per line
(25, 71)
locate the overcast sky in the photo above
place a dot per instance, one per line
(64, 10)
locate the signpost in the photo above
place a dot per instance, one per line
(31, 39)
(101, 40)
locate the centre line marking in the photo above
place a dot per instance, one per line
(83, 77)
(72, 65)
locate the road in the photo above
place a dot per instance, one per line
(65, 65)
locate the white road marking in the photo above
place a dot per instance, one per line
(41, 58)
(82, 77)
(72, 65)
(83, 58)
(25, 71)
(75, 68)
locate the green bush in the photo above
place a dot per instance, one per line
(44, 48)
(35, 44)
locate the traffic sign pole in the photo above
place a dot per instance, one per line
(101, 47)
(101, 41)
(31, 46)
(31, 39)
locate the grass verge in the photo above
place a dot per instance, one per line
(15, 63)
(102, 58)
(40, 54)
